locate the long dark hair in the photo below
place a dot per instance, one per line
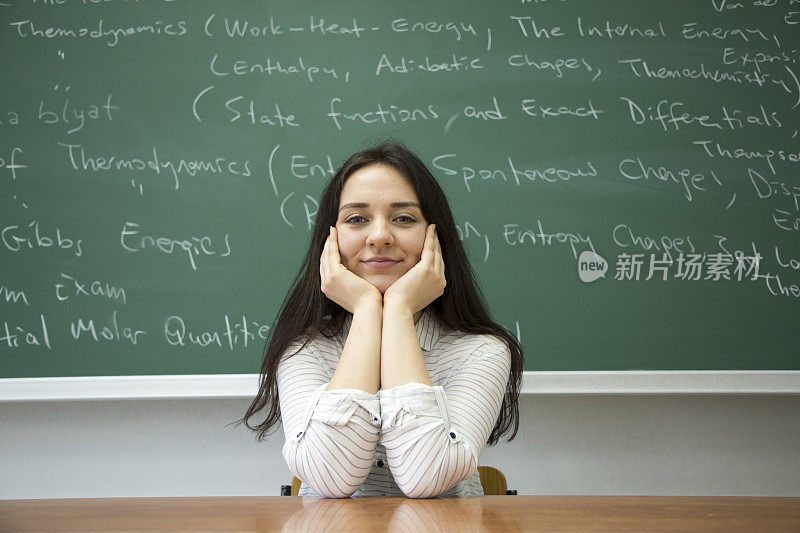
(307, 312)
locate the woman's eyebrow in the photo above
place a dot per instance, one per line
(362, 205)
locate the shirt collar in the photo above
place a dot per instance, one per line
(428, 329)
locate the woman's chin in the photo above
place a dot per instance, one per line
(382, 287)
(382, 284)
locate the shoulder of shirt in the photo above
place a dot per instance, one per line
(299, 346)
(318, 344)
(471, 342)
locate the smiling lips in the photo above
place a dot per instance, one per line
(380, 262)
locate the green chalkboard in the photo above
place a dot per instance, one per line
(160, 163)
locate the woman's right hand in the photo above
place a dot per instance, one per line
(341, 285)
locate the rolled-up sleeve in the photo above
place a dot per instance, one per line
(434, 435)
(331, 436)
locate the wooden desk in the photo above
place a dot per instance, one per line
(489, 513)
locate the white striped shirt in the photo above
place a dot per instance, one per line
(414, 439)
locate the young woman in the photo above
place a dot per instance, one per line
(384, 365)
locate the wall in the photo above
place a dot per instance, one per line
(577, 444)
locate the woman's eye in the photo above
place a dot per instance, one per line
(355, 219)
(405, 219)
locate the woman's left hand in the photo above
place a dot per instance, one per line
(424, 282)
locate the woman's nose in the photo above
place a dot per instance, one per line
(380, 234)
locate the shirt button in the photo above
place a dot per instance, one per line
(380, 462)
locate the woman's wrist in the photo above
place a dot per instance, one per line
(396, 308)
(369, 304)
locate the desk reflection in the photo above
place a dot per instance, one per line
(334, 514)
(396, 515)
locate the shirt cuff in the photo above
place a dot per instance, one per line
(337, 407)
(415, 400)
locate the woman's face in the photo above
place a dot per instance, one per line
(380, 225)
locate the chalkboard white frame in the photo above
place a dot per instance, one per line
(245, 385)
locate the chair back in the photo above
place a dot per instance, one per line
(493, 481)
(296, 486)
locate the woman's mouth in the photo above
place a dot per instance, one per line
(380, 263)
